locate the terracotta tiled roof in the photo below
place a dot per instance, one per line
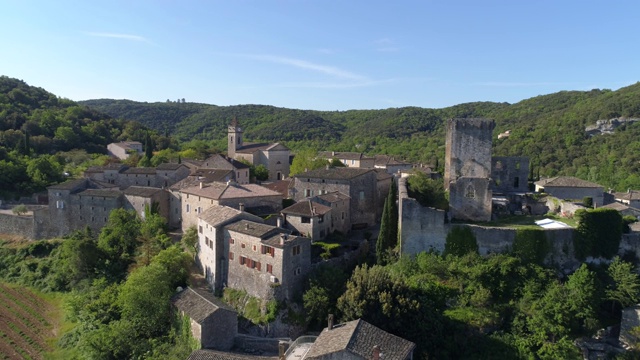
(218, 214)
(68, 185)
(342, 155)
(220, 162)
(566, 181)
(337, 173)
(143, 171)
(101, 192)
(170, 166)
(629, 195)
(280, 186)
(333, 197)
(142, 191)
(306, 208)
(359, 337)
(219, 355)
(198, 304)
(262, 231)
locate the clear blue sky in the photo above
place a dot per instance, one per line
(322, 54)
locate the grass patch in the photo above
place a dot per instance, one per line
(257, 311)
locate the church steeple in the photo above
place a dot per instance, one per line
(234, 137)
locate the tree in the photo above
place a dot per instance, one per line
(306, 160)
(336, 163)
(460, 241)
(624, 288)
(326, 284)
(383, 235)
(190, 239)
(426, 191)
(261, 172)
(599, 232)
(119, 240)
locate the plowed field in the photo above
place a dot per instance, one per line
(25, 324)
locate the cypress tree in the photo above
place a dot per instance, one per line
(148, 147)
(381, 243)
(393, 215)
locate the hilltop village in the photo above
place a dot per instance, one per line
(258, 236)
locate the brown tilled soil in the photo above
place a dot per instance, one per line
(24, 326)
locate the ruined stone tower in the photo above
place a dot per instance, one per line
(234, 134)
(467, 172)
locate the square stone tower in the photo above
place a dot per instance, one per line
(467, 173)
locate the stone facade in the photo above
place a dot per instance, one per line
(510, 174)
(213, 323)
(122, 150)
(349, 159)
(254, 198)
(265, 261)
(162, 176)
(138, 198)
(275, 157)
(359, 184)
(572, 188)
(212, 250)
(468, 168)
(340, 214)
(239, 171)
(309, 218)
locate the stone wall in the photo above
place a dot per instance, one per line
(22, 225)
(509, 173)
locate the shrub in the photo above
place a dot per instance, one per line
(460, 241)
(19, 209)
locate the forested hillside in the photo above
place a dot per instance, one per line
(43, 136)
(550, 129)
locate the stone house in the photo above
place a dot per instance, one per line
(162, 176)
(75, 204)
(630, 198)
(124, 149)
(213, 323)
(340, 214)
(572, 188)
(624, 210)
(390, 164)
(265, 261)
(254, 198)
(358, 340)
(349, 159)
(212, 250)
(275, 157)
(282, 187)
(139, 198)
(308, 218)
(239, 171)
(361, 185)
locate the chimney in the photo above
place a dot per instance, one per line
(376, 353)
(282, 238)
(330, 321)
(247, 226)
(201, 185)
(241, 206)
(281, 350)
(279, 221)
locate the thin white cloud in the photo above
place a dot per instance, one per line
(118, 36)
(307, 65)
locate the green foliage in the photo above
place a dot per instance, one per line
(257, 311)
(119, 240)
(261, 172)
(531, 245)
(460, 241)
(306, 160)
(624, 287)
(426, 191)
(190, 239)
(326, 284)
(598, 234)
(327, 248)
(587, 202)
(388, 235)
(19, 209)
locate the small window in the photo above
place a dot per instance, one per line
(242, 260)
(255, 248)
(516, 182)
(361, 194)
(321, 219)
(188, 207)
(231, 241)
(230, 255)
(295, 250)
(242, 245)
(258, 265)
(305, 220)
(270, 268)
(298, 271)
(343, 215)
(200, 229)
(307, 193)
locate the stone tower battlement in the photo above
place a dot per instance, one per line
(467, 171)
